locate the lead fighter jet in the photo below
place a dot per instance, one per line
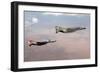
(68, 30)
(39, 43)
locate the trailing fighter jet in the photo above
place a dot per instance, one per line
(39, 43)
(68, 30)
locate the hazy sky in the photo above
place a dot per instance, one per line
(41, 26)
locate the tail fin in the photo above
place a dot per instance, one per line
(57, 29)
(51, 41)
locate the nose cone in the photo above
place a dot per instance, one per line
(30, 42)
(84, 28)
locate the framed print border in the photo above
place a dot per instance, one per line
(15, 33)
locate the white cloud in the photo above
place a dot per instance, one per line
(50, 13)
(71, 14)
(67, 14)
(34, 20)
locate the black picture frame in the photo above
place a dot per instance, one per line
(14, 35)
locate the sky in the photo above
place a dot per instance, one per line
(40, 25)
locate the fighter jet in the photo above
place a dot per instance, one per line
(40, 43)
(68, 30)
